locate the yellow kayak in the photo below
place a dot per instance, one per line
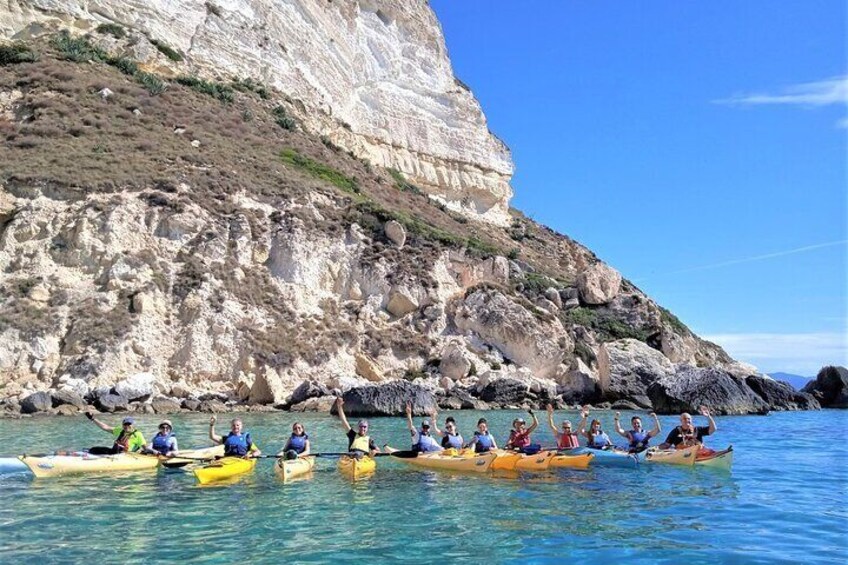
(224, 469)
(572, 461)
(504, 460)
(192, 455)
(288, 469)
(56, 465)
(538, 462)
(717, 460)
(447, 461)
(356, 468)
(684, 456)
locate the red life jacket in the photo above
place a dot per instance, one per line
(519, 439)
(567, 441)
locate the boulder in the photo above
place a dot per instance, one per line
(692, 387)
(36, 402)
(136, 387)
(830, 387)
(389, 399)
(449, 403)
(554, 296)
(268, 388)
(211, 406)
(781, 396)
(401, 302)
(579, 385)
(191, 404)
(598, 284)
(111, 403)
(306, 390)
(316, 404)
(626, 367)
(164, 405)
(396, 233)
(66, 410)
(534, 340)
(504, 391)
(454, 363)
(67, 397)
(368, 369)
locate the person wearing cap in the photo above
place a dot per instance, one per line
(482, 441)
(566, 439)
(127, 438)
(450, 436)
(422, 441)
(519, 435)
(237, 443)
(164, 442)
(358, 442)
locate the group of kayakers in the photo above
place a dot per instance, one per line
(238, 442)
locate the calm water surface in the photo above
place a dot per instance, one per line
(786, 505)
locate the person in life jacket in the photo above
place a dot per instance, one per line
(237, 442)
(422, 441)
(358, 442)
(298, 443)
(595, 436)
(687, 435)
(566, 439)
(164, 442)
(519, 436)
(127, 438)
(451, 439)
(482, 441)
(637, 437)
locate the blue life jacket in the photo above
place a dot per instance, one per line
(599, 441)
(425, 444)
(162, 444)
(452, 441)
(298, 443)
(639, 440)
(484, 443)
(237, 445)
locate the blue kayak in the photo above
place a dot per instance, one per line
(606, 457)
(12, 465)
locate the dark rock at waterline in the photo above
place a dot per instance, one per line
(191, 404)
(504, 391)
(780, 395)
(212, 406)
(111, 403)
(307, 390)
(830, 387)
(36, 402)
(692, 387)
(164, 405)
(388, 400)
(67, 397)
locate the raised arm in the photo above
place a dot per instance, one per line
(212, 435)
(551, 422)
(434, 422)
(706, 412)
(535, 423)
(657, 428)
(98, 423)
(409, 423)
(617, 425)
(340, 410)
(584, 417)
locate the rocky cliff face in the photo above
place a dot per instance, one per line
(373, 76)
(172, 241)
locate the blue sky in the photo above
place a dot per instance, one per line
(698, 147)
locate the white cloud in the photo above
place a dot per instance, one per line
(821, 93)
(798, 353)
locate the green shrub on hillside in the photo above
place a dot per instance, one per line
(151, 82)
(77, 49)
(319, 170)
(214, 89)
(167, 51)
(283, 119)
(402, 184)
(115, 30)
(674, 322)
(249, 85)
(16, 53)
(123, 64)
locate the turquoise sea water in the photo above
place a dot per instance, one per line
(778, 505)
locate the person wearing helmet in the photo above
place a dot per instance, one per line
(164, 442)
(127, 437)
(422, 441)
(519, 435)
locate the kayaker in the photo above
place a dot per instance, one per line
(595, 436)
(637, 437)
(422, 441)
(686, 434)
(298, 443)
(358, 442)
(164, 442)
(566, 439)
(237, 442)
(127, 438)
(451, 439)
(519, 436)
(482, 441)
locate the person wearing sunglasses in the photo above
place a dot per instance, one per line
(358, 442)
(637, 437)
(451, 439)
(298, 443)
(566, 438)
(422, 441)
(164, 442)
(127, 437)
(237, 442)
